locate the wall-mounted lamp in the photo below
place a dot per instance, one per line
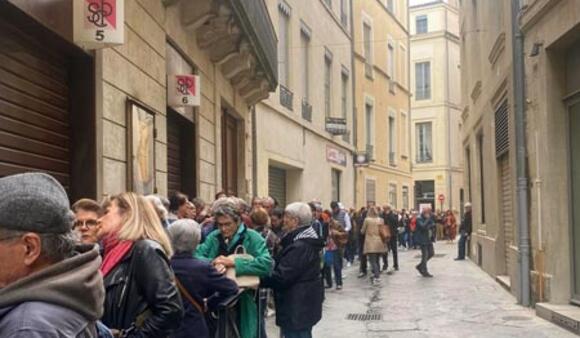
(536, 49)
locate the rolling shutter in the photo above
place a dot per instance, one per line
(371, 191)
(277, 185)
(34, 107)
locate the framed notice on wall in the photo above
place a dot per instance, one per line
(141, 148)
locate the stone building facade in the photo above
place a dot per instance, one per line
(230, 45)
(298, 156)
(382, 103)
(436, 105)
(551, 54)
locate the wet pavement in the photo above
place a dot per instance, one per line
(460, 301)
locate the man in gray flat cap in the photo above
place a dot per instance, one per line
(48, 286)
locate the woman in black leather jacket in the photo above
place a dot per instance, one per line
(142, 299)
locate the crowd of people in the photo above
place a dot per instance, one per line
(150, 266)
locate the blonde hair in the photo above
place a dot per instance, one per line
(372, 213)
(140, 220)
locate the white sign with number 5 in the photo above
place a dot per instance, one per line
(98, 23)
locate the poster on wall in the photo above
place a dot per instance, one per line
(183, 90)
(141, 137)
(98, 23)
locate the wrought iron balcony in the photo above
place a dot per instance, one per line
(370, 152)
(306, 111)
(392, 158)
(286, 97)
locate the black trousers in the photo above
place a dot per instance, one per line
(393, 248)
(361, 255)
(427, 252)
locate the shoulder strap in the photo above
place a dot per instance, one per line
(186, 294)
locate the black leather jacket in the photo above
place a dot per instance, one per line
(141, 293)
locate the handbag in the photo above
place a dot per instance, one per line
(245, 282)
(385, 232)
(190, 299)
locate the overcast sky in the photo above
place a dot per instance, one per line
(418, 2)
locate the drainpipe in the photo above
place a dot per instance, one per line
(447, 102)
(254, 152)
(522, 180)
(354, 117)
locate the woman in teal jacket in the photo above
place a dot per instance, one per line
(231, 234)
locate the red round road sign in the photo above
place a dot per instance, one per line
(441, 197)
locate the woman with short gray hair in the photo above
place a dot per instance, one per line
(301, 212)
(201, 285)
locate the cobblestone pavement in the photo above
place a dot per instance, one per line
(460, 301)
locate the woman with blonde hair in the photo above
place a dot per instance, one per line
(141, 297)
(374, 247)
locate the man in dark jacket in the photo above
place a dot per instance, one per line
(424, 225)
(48, 287)
(465, 232)
(298, 289)
(391, 219)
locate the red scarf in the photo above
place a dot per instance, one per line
(115, 251)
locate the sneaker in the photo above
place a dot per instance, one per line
(459, 259)
(348, 265)
(328, 286)
(397, 268)
(427, 275)
(362, 275)
(339, 287)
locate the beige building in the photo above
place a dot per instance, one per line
(551, 53)
(435, 105)
(381, 58)
(303, 131)
(100, 120)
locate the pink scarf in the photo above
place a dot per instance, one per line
(115, 251)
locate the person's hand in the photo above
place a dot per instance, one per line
(225, 261)
(116, 333)
(220, 268)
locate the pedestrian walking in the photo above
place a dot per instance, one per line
(391, 219)
(465, 232)
(298, 291)
(451, 226)
(337, 239)
(232, 235)
(141, 297)
(48, 286)
(425, 224)
(201, 286)
(374, 247)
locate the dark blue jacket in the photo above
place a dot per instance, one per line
(421, 235)
(202, 281)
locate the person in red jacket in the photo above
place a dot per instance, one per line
(413, 227)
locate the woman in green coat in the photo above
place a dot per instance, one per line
(231, 234)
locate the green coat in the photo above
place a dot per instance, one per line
(260, 266)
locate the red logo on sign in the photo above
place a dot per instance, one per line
(102, 13)
(442, 197)
(185, 85)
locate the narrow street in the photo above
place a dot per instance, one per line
(460, 301)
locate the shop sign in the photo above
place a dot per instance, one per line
(336, 156)
(98, 23)
(183, 90)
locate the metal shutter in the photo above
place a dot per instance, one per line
(502, 139)
(173, 154)
(34, 107)
(277, 184)
(506, 207)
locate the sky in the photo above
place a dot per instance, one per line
(418, 2)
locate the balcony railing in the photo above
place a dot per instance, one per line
(370, 152)
(306, 111)
(286, 97)
(257, 24)
(392, 158)
(336, 125)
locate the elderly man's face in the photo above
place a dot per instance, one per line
(268, 206)
(227, 226)
(19, 254)
(290, 223)
(87, 226)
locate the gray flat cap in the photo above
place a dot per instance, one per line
(34, 202)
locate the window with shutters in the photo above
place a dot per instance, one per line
(393, 195)
(283, 46)
(368, 49)
(421, 24)
(405, 195)
(336, 184)
(370, 191)
(502, 140)
(424, 142)
(423, 81)
(327, 86)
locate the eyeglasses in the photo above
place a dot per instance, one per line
(89, 223)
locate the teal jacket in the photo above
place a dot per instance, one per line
(260, 265)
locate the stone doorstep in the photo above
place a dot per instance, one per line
(564, 315)
(504, 281)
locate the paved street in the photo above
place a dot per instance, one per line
(461, 301)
